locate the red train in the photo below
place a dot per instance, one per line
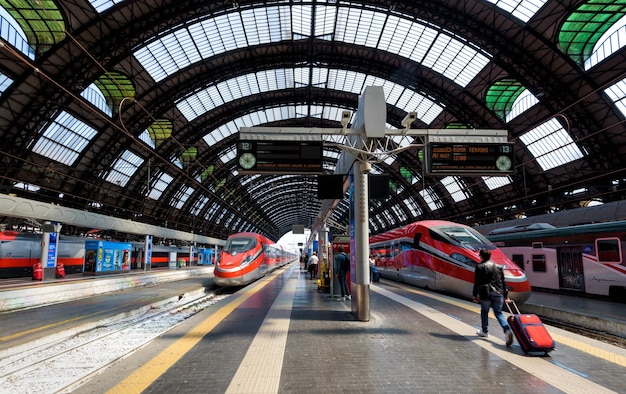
(441, 255)
(247, 257)
(19, 251)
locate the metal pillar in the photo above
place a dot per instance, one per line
(361, 278)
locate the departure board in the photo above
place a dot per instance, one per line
(452, 158)
(280, 157)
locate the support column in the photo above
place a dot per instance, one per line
(361, 278)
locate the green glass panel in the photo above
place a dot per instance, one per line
(188, 156)
(204, 175)
(160, 131)
(585, 26)
(406, 174)
(502, 95)
(115, 87)
(41, 21)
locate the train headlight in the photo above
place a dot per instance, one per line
(246, 261)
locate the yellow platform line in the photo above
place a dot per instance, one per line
(143, 377)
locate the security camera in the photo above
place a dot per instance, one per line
(345, 118)
(409, 119)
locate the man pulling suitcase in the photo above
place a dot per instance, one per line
(490, 291)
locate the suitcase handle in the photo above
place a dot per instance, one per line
(509, 306)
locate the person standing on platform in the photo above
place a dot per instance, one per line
(490, 291)
(343, 267)
(313, 261)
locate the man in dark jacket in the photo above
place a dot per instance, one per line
(343, 268)
(491, 292)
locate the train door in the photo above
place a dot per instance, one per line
(571, 275)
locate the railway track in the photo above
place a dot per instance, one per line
(68, 362)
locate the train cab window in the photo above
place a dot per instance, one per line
(608, 250)
(239, 244)
(539, 263)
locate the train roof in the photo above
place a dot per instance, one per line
(599, 213)
(410, 229)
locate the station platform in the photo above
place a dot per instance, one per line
(280, 335)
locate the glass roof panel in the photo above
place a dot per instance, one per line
(198, 205)
(551, 145)
(412, 206)
(145, 137)
(124, 168)
(617, 94)
(94, 95)
(160, 130)
(494, 182)
(41, 22)
(584, 27)
(185, 192)
(5, 82)
(449, 55)
(523, 10)
(399, 212)
(611, 41)
(427, 194)
(13, 33)
(64, 139)
(160, 185)
(213, 96)
(454, 187)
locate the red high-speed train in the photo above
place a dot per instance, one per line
(442, 256)
(247, 257)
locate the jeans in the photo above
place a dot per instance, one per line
(496, 302)
(342, 284)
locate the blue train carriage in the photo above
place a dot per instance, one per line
(584, 259)
(107, 257)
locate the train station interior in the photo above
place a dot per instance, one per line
(140, 139)
(132, 110)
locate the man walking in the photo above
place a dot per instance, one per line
(491, 292)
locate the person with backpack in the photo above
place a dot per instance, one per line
(491, 292)
(343, 267)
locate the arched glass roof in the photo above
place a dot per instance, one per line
(189, 79)
(424, 43)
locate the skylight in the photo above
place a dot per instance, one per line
(214, 96)
(160, 185)
(551, 145)
(422, 42)
(455, 188)
(64, 139)
(495, 182)
(524, 10)
(617, 94)
(5, 82)
(124, 168)
(427, 194)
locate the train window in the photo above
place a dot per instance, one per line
(518, 259)
(539, 263)
(608, 250)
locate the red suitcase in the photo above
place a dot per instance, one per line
(530, 332)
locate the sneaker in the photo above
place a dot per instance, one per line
(509, 337)
(341, 299)
(481, 333)
(349, 297)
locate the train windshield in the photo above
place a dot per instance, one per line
(463, 236)
(239, 244)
